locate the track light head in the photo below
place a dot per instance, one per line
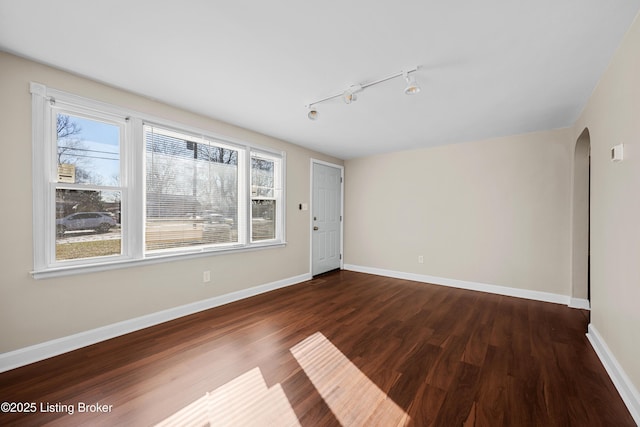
(349, 95)
(412, 85)
(312, 114)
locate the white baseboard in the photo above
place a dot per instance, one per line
(45, 350)
(628, 392)
(463, 284)
(581, 303)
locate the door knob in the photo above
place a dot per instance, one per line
(315, 228)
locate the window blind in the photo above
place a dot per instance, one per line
(191, 190)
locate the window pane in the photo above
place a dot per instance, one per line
(263, 219)
(192, 191)
(262, 177)
(88, 151)
(87, 224)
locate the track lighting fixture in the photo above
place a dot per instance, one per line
(350, 94)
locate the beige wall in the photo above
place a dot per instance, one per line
(494, 212)
(34, 311)
(612, 116)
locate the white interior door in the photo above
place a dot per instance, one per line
(326, 240)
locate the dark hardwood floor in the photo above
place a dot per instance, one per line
(343, 349)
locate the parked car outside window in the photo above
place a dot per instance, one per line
(100, 222)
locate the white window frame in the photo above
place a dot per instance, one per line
(132, 185)
(277, 196)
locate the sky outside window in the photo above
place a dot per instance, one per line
(92, 146)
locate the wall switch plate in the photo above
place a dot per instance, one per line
(206, 276)
(617, 153)
(420, 259)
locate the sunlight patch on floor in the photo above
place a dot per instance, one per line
(243, 401)
(352, 397)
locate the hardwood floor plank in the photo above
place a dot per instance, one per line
(391, 352)
(459, 399)
(414, 373)
(476, 347)
(425, 407)
(445, 369)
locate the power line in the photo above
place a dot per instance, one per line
(90, 157)
(86, 149)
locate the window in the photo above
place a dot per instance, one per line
(114, 187)
(265, 173)
(192, 191)
(86, 183)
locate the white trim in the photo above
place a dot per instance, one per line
(279, 193)
(151, 259)
(45, 350)
(333, 165)
(628, 392)
(282, 233)
(105, 107)
(39, 117)
(580, 303)
(463, 284)
(135, 207)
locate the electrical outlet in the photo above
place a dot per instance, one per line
(206, 276)
(420, 259)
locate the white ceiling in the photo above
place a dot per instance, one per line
(490, 68)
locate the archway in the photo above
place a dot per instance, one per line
(580, 269)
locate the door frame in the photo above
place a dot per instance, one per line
(581, 223)
(333, 165)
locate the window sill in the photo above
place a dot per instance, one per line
(151, 259)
